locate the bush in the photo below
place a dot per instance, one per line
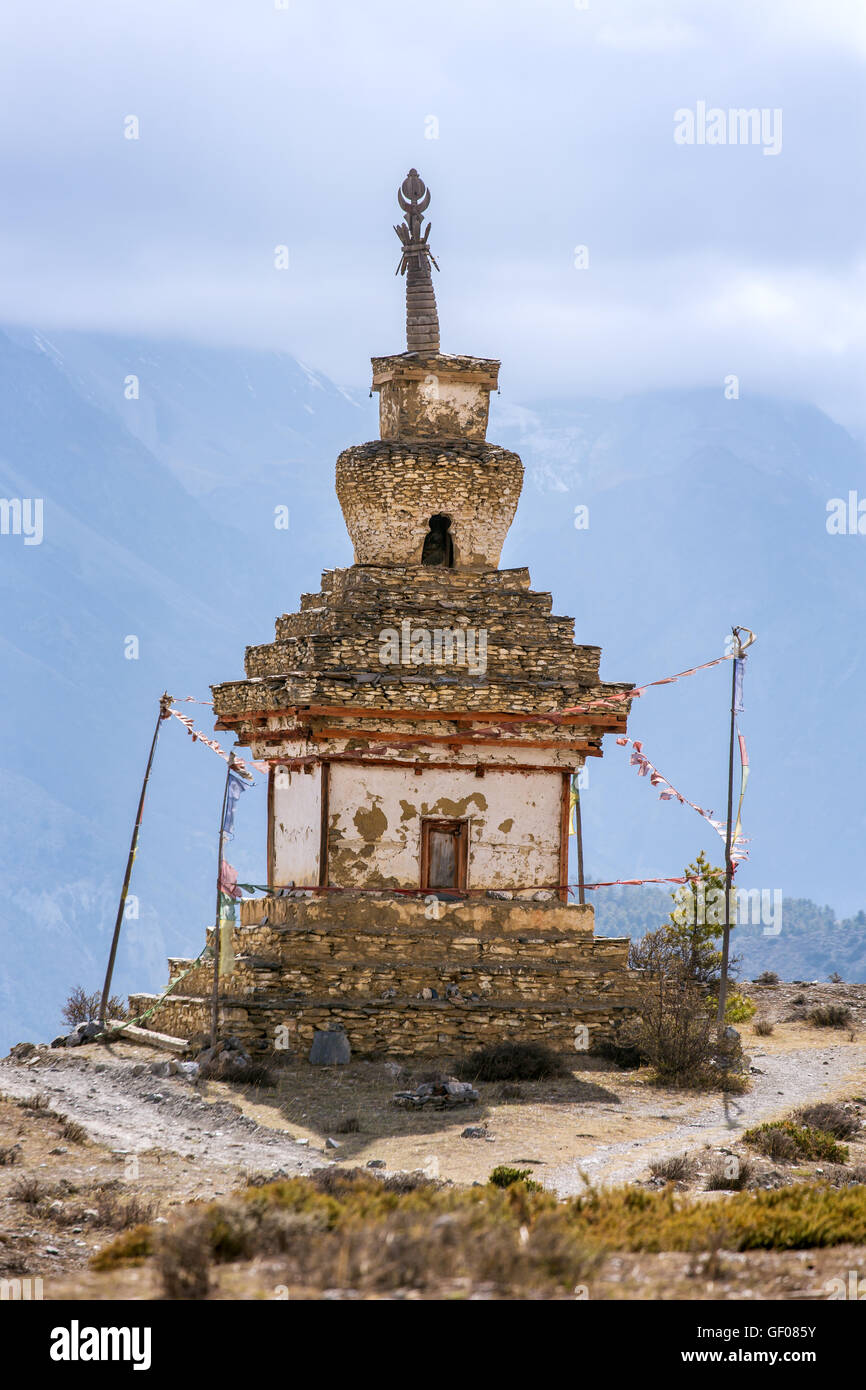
(30, 1191)
(512, 1062)
(183, 1259)
(81, 1007)
(674, 1031)
(721, 1178)
(347, 1124)
(450, 1240)
(739, 1008)
(829, 1117)
(764, 1027)
(800, 1217)
(119, 1214)
(504, 1176)
(767, 977)
(9, 1155)
(785, 1140)
(617, 1050)
(131, 1248)
(678, 1168)
(830, 1016)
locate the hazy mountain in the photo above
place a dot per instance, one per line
(159, 524)
(813, 942)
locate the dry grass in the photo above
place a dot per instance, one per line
(38, 1101)
(119, 1213)
(829, 1117)
(730, 1175)
(73, 1131)
(183, 1257)
(830, 1016)
(677, 1168)
(29, 1190)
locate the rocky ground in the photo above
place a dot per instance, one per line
(102, 1128)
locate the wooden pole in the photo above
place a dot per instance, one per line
(729, 866)
(164, 701)
(218, 923)
(581, 890)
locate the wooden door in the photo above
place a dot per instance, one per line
(444, 855)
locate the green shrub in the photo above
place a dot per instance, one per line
(739, 1008)
(130, 1248)
(785, 1140)
(504, 1176)
(519, 1242)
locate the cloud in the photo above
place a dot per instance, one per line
(654, 37)
(262, 127)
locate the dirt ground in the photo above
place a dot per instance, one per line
(165, 1142)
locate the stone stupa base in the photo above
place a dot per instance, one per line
(401, 984)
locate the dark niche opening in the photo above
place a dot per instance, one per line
(438, 545)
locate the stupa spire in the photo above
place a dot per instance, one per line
(422, 319)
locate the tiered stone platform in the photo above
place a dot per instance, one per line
(329, 655)
(502, 969)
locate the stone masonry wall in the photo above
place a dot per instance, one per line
(389, 489)
(501, 970)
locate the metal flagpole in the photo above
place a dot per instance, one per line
(164, 701)
(739, 651)
(218, 923)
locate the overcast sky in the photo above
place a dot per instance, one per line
(261, 126)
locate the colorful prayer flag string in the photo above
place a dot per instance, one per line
(668, 792)
(197, 736)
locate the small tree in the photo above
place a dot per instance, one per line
(81, 1007)
(697, 920)
(680, 963)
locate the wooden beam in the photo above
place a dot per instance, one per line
(454, 740)
(130, 1032)
(358, 760)
(323, 828)
(602, 719)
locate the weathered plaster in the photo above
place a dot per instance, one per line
(296, 831)
(375, 836)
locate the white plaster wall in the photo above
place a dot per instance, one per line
(375, 824)
(297, 812)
